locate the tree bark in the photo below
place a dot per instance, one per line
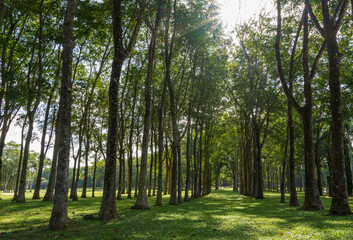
(283, 179)
(87, 148)
(42, 151)
(151, 166)
(108, 206)
(129, 187)
(59, 218)
(160, 146)
(49, 194)
(340, 203)
(141, 201)
(293, 200)
(318, 159)
(94, 172)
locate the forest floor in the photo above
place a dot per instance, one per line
(221, 215)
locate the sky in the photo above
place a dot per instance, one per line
(235, 12)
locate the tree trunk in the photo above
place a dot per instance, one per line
(200, 163)
(129, 187)
(94, 173)
(49, 194)
(137, 162)
(188, 160)
(108, 206)
(21, 198)
(312, 199)
(141, 201)
(59, 218)
(196, 167)
(318, 160)
(88, 137)
(283, 179)
(293, 201)
(151, 166)
(259, 182)
(155, 169)
(42, 148)
(340, 203)
(160, 146)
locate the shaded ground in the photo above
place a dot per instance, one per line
(221, 215)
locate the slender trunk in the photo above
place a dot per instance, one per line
(318, 160)
(137, 164)
(49, 194)
(141, 201)
(94, 173)
(120, 184)
(155, 168)
(259, 183)
(108, 206)
(200, 163)
(166, 182)
(160, 147)
(59, 218)
(20, 198)
(293, 201)
(312, 199)
(180, 176)
(87, 148)
(20, 161)
(151, 166)
(195, 195)
(129, 187)
(283, 199)
(188, 161)
(42, 149)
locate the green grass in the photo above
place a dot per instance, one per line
(221, 215)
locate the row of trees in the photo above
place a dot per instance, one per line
(157, 86)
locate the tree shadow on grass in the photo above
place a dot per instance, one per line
(221, 215)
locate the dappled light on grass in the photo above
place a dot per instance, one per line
(221, 215)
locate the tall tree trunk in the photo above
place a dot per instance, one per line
(312, 199)
(137, 162)
(121, 162)
(340, 203)
(293, 200)
(21, 198)
(318, 160)
(160, 146)
(259, 183)
(94, 172)
(59, 218)
(200, 163)
(129, 187)
(180, 176)
(196, 167)
(155, 167)
(188, 160)
(151, 166)
(42, 151)
(20, 160)
(49, 194)
(87, 148)
(108, 206)
(166, 182)
(283, 179)
(141, 201)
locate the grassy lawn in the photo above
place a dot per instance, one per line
(221, 215)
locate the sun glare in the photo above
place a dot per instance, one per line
(233, 12)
